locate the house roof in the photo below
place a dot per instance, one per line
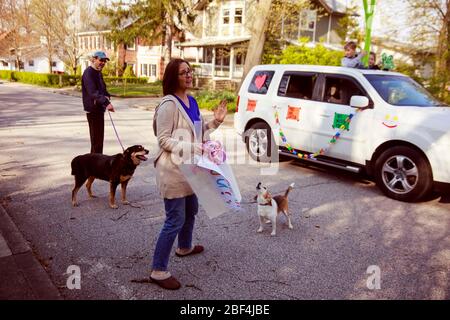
(336, 6)
(213, 42)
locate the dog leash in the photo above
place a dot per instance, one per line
(117, 135)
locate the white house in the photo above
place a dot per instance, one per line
(220, 48)
(32, 59)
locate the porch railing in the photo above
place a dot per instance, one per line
(205, 70)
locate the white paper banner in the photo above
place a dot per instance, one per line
(214, 185)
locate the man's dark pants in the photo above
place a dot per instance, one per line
(96, 130)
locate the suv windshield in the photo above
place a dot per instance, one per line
(402, 91)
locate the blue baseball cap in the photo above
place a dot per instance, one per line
(100, 55)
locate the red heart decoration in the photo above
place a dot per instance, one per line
(260, 80)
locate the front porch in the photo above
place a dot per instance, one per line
(216, 59)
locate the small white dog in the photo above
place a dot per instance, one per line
(269, 207)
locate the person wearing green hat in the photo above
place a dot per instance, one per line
(96, 99)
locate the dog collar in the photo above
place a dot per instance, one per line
(265, 204)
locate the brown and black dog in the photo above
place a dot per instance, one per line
(115, 169)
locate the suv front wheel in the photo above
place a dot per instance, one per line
(403, 174)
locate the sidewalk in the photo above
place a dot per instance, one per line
(21, 275)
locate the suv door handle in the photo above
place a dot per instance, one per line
(324, 115)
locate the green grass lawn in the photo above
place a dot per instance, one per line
(135, 90)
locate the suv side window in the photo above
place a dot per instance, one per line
(297, 85)
(261, 82)
(340, 89)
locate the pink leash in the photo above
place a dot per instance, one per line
(117, 135)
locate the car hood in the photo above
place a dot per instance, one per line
(432, 118)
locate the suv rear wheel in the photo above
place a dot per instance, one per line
(260, 143)
(403, 173)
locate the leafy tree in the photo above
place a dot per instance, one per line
(15, 27)
(156, 21)
(349, 26)
(49, 19)
(128, 73)
(271, 21)
(430, 28)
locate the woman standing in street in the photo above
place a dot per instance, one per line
(178, 112)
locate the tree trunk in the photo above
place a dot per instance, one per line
(256, 45)
(167, 41)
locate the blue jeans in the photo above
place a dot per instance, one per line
(180, 219)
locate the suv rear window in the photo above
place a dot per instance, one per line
(261, 82)
(297, 85)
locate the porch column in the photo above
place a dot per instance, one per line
(197, 56)
(213, 73)
(232, 63)
(329, 28)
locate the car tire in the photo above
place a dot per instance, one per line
(260, 143)
(403, 174)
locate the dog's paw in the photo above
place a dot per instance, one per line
(259, 230)
(273, 234)
(126, 202)
(291, 226)
(114, 206)
(75, 204)
(92, 196)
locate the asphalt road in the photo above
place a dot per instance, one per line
(342, 222)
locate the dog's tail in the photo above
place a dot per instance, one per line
(74, 165)
(291, 186)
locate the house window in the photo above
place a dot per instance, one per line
(107, 44)
(207, 55)
(53, 63)
(238, 15)
(31, 63)
(153, 70)
(4, 63)
(226, 16)
(144, 70)
(308, 20)
(131, 46)
(148, 70)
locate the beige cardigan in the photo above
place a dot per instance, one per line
(172, 121)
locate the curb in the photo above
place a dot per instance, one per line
(26, 278)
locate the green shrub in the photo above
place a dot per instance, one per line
(129, 73)
(302, 54)
(211, 99)
(120, 80)
(6, 75)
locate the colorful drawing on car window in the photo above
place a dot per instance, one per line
(390, 122)
(260, 81)
(293, 113)
(341, 121)
(251, 105)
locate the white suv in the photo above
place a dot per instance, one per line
(381, 122)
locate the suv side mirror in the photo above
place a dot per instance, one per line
(359, 102)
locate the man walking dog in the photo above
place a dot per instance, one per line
(96, 100)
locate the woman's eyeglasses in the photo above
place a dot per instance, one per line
(186, 72)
